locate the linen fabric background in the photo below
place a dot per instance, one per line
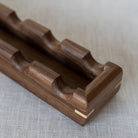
(109, 29)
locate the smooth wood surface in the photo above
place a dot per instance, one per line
(63, 74)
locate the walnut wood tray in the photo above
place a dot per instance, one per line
(63, 74)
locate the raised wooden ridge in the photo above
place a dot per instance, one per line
(63, 74)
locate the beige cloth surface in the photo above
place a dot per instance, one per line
(109, 28)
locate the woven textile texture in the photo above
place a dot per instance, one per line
(109, 28)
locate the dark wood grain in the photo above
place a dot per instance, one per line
(63, 74)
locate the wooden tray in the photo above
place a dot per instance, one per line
(63, 74)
